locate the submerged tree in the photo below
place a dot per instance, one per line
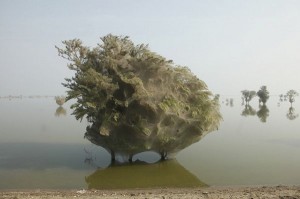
(263, 95)
(291, 94)
(248, 95)
(125, 89)
(217, 97)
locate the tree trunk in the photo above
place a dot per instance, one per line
(113, 156)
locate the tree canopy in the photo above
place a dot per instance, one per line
(123, 87)
(263, 94)
(248, 95)
(291, 94)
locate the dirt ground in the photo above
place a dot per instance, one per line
(280, 192)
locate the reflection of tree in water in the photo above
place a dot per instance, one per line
(290, 96)
(291, 115)
(248, 111)
(141, 175)
(263, 113)
(60, 111)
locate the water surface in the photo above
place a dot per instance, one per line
(42, 146)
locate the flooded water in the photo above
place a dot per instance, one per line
(43, 146)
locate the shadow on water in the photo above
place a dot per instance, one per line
(139, 174)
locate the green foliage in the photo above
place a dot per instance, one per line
(263, 94)
(291, 94)
(124, 87)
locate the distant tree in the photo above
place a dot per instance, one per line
(217, 97)
(263, 94)
(248, 95)
(229, 102)
(60, 100)
(290, 95)
(281, 97)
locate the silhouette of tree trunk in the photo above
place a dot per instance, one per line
(113, 157)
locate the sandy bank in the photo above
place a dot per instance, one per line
(281, 192)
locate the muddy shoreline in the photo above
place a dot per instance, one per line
(281, 192)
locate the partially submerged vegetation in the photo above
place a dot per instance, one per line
(60, 100)
(290, 95)
(127, 91)
(263, 95)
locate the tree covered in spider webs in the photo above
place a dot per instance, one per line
(126, 90)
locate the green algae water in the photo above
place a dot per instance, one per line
(42, 146)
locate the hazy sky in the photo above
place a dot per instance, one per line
(232, 45)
